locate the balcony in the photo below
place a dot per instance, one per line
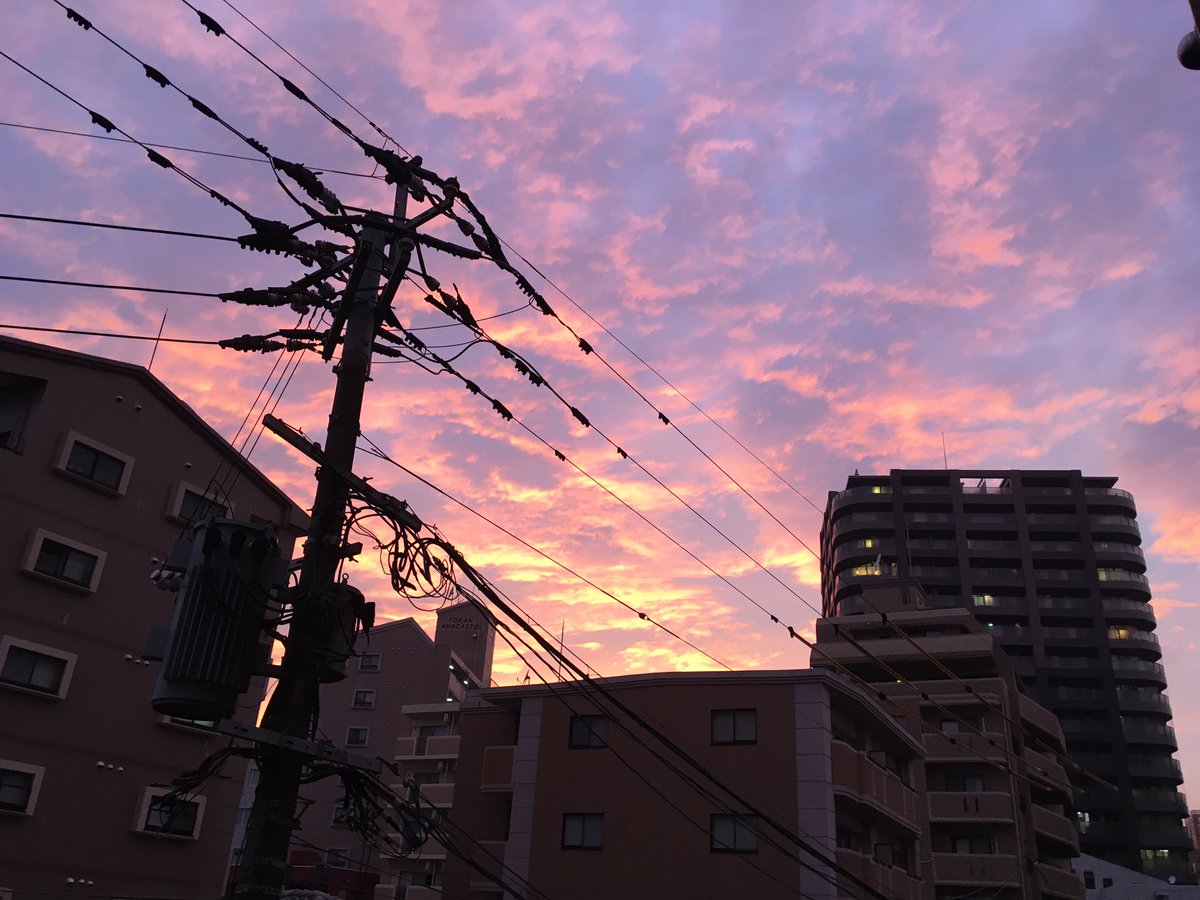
(966, 747)
(497, 772)
(1060, 883)
(970, 806)
(1149, 733)
(987, 870)
(1128, 609)
(1067, 603)
(1109, 492)
(1057, 830)
(1119, 551)
(1120, 526)
(1160, 800)
(1126, 668)
(862, 780)
(1071, 547)
(1123, 639)
(440, 795)
(1163, 767)
(1045, 771)
(888, 880)
(1012, 547)
(442, 746)
(1143, 700)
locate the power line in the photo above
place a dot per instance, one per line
(124, 140)
(114, 227)
(106, 287)
(108, 334)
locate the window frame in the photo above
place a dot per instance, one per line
(34, 551)
(7, 642)
(368, 701)
(597, 739)
(739, 822)
(583, 820)
(37, 773)
(145, 807)
(375, 666)
(366, 732)
(182, 489)
(735, 715)
(63, 460)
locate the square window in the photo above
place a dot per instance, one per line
(35, 671)
(195, 507)
(337, 858)
(16, 790)
(370, 662)
(977, 844)
(357, 737)
(735, 726)
(101, 466)
(734, 833)
(583, 831)
(172, 816)
(58, 560)
(340, 812)
(364, 700)
(588, 731)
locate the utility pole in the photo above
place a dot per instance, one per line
(317, 609)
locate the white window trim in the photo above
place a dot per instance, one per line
(370, 704)
(64, 453)
(366, 739)
(378, 659)
(35, 547)
(175, 503)
(68, 670)
(37, 772)
(143, 810)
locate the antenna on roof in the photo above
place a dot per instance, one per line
(154, 352)
(945, 458)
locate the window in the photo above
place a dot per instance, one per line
(964, 783)
(32, 667)
(1089, 880)
(168, 815)
(19, 785)
(978, 843)
(968, 725)
(369, 662)
(1106, 882)
(735, 726)
(340, 811)
(54, 556)
(588, 731)
(357, 737)
(734, 833)
(19, 395)
(191, 503)
(337, 858)
(93, 462)
(583, 831)
(364, 700)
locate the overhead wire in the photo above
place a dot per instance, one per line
(115, 227)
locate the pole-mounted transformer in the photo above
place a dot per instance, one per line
(225, 572)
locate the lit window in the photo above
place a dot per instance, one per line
(19, 785)
(583, 831)
(93, 462)
(735, 726)
(588, 731)
(369, 662)
(32, 667)
(983, 599)
(73, 563)
(364, 700)
(357, 737)
(168, 815)
(734, 833)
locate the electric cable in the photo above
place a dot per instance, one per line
(110, 225)
(108, 334)
(108, 287)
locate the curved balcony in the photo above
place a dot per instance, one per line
(1161, 767)
(1071, 548)
(970, 806)
(1114, 527)
(852, 552)
(1109, 492)
(865, 523)
(991, 870)
(1072, 604)
(1127, 669)
(1161, 800)
(1149, 733)
(1143, 700)
(881, 791)
(1128, 609)
(1120, 552)
(1056, 832)
(853, 496)
(1060, 883)
(1052, 521)
(929, 518)
(1130, 640)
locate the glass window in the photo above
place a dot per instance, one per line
(364, 700)
(36, 671)
(583, 831)
(194, 507)
(735, 726)
(369, 662)
(337, 858)
(16, 789)
(588, 731)
(977, 843)
(95, 465)
(734, 833)
(172, 815)
(357, 737)
(65, 563)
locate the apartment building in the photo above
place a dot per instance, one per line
(997, 794)
(553, 787)
(1051, 563)
(101, 467)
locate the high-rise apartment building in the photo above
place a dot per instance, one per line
(101, 468)
(1051, 563)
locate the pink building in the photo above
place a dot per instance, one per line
(100, 468)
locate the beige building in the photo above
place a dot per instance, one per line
(550, 790)
(997, 796)
(101, 466)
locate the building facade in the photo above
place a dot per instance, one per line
(998, 798)
(1051, 563)
(552, 794)
(101, 467)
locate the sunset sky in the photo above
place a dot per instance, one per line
(834, 236)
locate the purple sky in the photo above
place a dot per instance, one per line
(841, 229)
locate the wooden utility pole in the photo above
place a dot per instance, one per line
(316, 611)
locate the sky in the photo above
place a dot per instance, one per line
(816, 237)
